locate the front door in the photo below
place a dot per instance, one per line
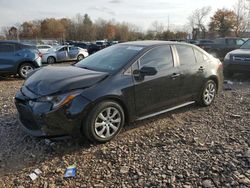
(160, 91)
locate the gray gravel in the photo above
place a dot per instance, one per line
(190, 147)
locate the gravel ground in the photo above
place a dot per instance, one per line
(190, 147)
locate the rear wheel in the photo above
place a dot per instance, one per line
(51, 60)
(104, 122)
(208, 93)
(80, 57)
(24, 69)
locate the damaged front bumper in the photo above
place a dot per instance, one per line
(40, 120)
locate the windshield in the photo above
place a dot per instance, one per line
(110, 59)
(246, 45)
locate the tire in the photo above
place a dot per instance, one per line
(100, 127)
(24, 69)
(208, 93)
(80, 57)
(51, 60)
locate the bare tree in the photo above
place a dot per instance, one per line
(156, 28)
(197, 20)
(242, 16)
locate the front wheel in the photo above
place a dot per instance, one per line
(24, 69)
(104, 122)
(208, 93)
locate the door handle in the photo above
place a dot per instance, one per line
(175, 75)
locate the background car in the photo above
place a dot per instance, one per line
(18, 58)
(204, 43)
(91, 47)
(238, 61)
(122, 83)
(222, 46)
(64, 53)
(44, 48)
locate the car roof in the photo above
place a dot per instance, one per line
(148, 43)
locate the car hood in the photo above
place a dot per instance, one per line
(50, 80)
(240, 52)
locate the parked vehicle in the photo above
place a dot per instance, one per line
(64, 53)
(91, 48)
(204, 43)
(122, 83)
(238, 61)
(18, 58)
(222, 46)
(44, 48)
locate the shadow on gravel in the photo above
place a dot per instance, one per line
(19, 150)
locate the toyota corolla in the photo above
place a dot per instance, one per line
(123, 83)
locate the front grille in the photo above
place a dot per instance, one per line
(26, 117)
(241, 58)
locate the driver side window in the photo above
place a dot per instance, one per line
(159, 57)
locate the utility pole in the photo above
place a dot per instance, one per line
(168, 24)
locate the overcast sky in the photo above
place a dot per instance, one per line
(139, 12)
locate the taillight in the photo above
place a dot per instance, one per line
(40, 54)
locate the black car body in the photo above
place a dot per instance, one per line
(92, 48)
(136, 80)
(18, 58)
(238, 61)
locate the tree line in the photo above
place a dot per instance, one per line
(224, 22)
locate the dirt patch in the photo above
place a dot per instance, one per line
(189, 147)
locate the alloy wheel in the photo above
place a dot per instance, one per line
(51, 60)
(108, 122)
(25, 70)
(80, 57)
(209, 93)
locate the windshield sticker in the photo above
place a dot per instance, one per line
(134, 48)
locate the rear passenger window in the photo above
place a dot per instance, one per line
(7, 48)
(159, 57)
(186, 55)
(199, 56)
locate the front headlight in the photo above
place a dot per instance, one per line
(60, 100)
(227, 57)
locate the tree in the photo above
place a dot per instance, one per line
(110, 31)
(223, 22)
(29, 30)
(197, 21)
(52, 28)
(242, 16)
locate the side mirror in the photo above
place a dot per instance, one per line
(148, 71)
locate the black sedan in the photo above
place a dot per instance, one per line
(238, 61)
(120, 84)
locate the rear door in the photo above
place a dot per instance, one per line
(73, 52)
(160, 91)
(192, 69)
(8, 58)
(62, 54)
